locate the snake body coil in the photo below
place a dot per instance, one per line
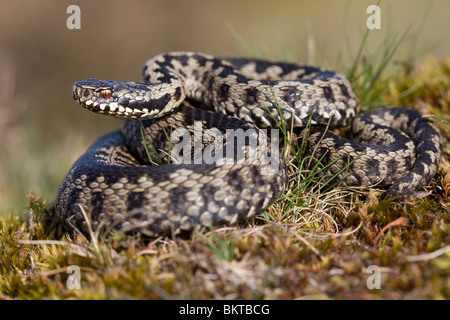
(214, 184)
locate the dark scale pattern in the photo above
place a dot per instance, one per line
(328, 94)
(224, 88)
(116, 185)
(147, 195)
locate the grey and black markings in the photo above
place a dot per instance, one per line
(394, 147)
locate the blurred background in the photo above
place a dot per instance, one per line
(43, 131)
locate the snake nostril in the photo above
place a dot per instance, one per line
(86, 93)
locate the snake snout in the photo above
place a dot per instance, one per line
(76, 91)
(81, 93)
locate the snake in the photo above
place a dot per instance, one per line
(200, 144)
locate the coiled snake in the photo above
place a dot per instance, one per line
(117, 187)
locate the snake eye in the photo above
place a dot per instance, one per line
(106, 94)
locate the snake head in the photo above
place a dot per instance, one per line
(125, 99)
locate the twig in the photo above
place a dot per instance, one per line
(429, 256)
(400, 222)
